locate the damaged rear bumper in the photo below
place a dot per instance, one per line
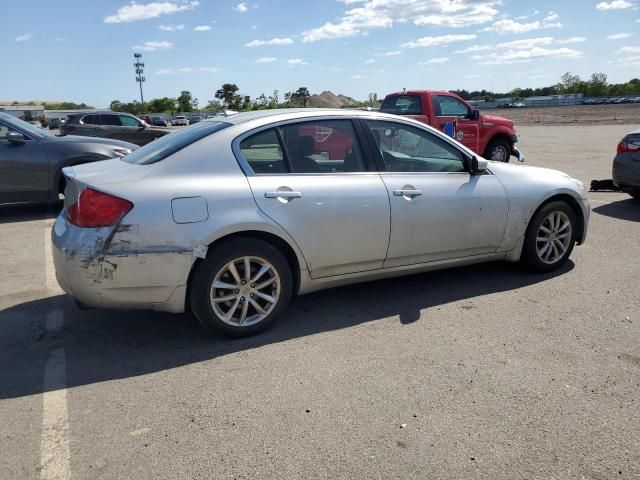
(98, 271)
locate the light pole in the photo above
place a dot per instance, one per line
(139, 74)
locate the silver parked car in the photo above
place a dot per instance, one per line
(626, 164)
(231, 218)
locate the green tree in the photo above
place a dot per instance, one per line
(161, 105)
(229, 95)
(212, 105)
(597, 85)
(302, 96)
(570, 83)
(274, 100)
(185, 101)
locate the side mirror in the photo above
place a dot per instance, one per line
(15, 137)
(475, 114)
(479, 165)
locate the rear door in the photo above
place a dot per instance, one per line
(24, 172)
(111, 126)
(313, 179)
(449, 109)
(133, 130)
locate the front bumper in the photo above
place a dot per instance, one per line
(92, 269)
(517, 153)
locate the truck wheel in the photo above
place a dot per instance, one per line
(498, 150)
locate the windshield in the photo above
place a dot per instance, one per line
(166, 146)
(27, 127)
(402, 105)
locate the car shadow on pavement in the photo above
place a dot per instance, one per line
(102, 345)
(628, 209)
(26, 212)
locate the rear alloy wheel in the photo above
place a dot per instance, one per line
(550, 237)
(498, 150)
(241, 287)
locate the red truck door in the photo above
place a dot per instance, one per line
(448, 108)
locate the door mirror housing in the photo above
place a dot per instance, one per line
(479, 165)
(15, 137)
(475, 114)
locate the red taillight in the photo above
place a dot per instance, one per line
(624, 147)
(97, 209)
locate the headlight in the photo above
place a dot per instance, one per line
(121, 152)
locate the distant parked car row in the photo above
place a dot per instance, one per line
(609, 101)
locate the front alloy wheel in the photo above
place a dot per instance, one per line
(550, 237)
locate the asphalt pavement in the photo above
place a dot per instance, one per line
(483, 372)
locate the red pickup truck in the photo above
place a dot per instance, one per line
(492, 137)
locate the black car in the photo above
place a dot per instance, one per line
(120, 126)
(158, 121)
(32, 159)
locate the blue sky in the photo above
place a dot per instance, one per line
(82, 50)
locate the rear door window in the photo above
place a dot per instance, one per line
(263, 152)
(111, 120)
(402, 105)
(91, 120)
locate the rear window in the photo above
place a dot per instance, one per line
(166, 146)
(402, 105)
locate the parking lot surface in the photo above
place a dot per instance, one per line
(478, 372)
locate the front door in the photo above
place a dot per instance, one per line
(312, 179)
(24, 171)
(449, 109)
(438, 209)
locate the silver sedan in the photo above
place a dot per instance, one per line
(232, 218)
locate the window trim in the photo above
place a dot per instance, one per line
(382, 167)
(369, 163)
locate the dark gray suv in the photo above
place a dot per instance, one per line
(32, 159)
(121, 126)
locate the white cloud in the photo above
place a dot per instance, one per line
(176, 71)
(58, 39)
(24, 38)
(266, 60)
(389, 54)
(171, 28)
(474, 48)
(507, 25)
(273, 41)
(154, 45)
(551, 16)
(626, 61)
(296, 61)
(436, 61)
(572, 40)
(201, 28)
(376, 14)
(619, 36)
(521, 56)
(241, 7)
(371, 60)
(634, 49)
(357, 77)
(438, 41)
(614, 5)
(526, 43)
(135, 11)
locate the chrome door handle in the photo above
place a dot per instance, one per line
(407, 193)
(283, 194)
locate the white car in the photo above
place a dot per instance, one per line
(180, 121)
(232, 217)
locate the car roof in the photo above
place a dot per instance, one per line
(298, 113)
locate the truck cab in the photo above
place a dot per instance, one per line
(492, 137)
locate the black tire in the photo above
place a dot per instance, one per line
(635, 194)
(530, 256)
(498, 150)
(216, 261)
